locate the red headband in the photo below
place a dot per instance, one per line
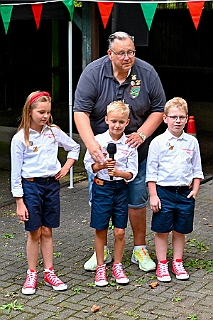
(39, 95)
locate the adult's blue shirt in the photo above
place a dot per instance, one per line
(142, 91)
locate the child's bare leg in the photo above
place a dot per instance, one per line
(100, 238)
(46, 245)
(178, 242)
(161, 245)
(105, 241)
(32, 248)
(119, 244)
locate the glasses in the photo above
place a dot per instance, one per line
(122, 54)
(175, 118)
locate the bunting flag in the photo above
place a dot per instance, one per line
(195, 9)
(70, 6)
(6, 12)
(149, 12)
(105, 9)
(37, 9)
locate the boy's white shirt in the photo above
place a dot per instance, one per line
(40, 158)
(126, 157)
(173, 161)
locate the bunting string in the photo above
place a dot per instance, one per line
(116, 1)
(148, 8)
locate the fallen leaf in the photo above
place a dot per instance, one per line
(154, 285)
(95, 308)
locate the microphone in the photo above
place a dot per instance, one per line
(111, 149)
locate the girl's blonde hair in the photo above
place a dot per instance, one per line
(177, 102)
(118, 106)
(29, 105)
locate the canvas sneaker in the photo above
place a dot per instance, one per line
(142, 258)
(118, 274)
(100, 277)
(29, 286)
(91, 264)
(178, 270)
(162, 271)
(53, 281)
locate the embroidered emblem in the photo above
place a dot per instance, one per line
(135, 86)
(35, 149)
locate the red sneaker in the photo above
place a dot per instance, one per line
(100, 277)
(178, 270)
(53, 281)
(118, 274)
(29, 286)
(162, 271)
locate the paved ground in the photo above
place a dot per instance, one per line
(73, 245)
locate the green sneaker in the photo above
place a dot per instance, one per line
(91, 264)
(142, 258)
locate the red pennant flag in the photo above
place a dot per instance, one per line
(37, 8)
(195, 9)
(105, 9)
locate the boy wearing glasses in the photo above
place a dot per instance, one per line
(173, 174)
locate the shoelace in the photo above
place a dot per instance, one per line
(53, 278)
(118, 271)
(178, 266)
(142, 254)
(30, 280)
(163, 268)
(101, 274)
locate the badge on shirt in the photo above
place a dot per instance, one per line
(35, 149)
(169, 145)
(135, 86)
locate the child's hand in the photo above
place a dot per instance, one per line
(192, 194)
(155, 203)
(114, 172)
(110, 165)
(21, 210)
(62, 173)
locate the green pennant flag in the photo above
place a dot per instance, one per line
(149, 12)
(70, 6)
(6, 12)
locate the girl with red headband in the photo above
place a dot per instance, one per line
(35, 176)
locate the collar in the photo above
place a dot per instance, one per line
(45, 127)
(108, 70)
(109, 139)
(170, 136)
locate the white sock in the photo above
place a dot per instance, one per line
(139, 247)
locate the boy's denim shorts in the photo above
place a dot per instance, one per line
(42, 200)
(177, 211)
(109, 201)
(137, 189)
